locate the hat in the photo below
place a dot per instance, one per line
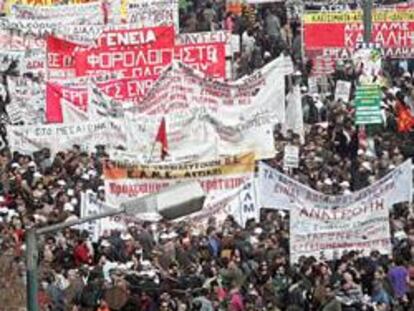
(15, 165)
(68, 207)
(31, 164)
(70, 192)
(345, 184)
(328, 182)
(126, 236)
(406, 75)
(61, 182)
(258, 231)
(85, 177)
(101, 188)
(37, 175)
(105, 243)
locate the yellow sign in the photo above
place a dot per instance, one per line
(237, 164)
(356, 16)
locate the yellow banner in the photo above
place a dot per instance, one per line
(238, 164)
(356, 16)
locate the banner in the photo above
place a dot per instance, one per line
(90, 205)
(27, 94)
(141, 52)
(149, 59)
(153, 13)
(180, 87)
(327, 233)
(279, 191)
(213, 176)
(76, 93)
(222, 166)
(240, 203)
(336, 34)
(56, 137)
(92, 11)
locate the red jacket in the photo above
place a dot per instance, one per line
(81, 254)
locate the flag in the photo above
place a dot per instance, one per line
(162, 138)
(405, 119)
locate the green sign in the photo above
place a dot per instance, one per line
(368, 105)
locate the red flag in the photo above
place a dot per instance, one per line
(405, 119)
(162, 138)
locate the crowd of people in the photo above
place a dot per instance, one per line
(178, 266)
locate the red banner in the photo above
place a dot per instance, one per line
(146, 55)
(134, 52)
(338, 34)
(60, 62)
(55, 93)
(125, 89)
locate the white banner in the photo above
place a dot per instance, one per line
(294, 113)
(92, 11)
(279, 191)
(58, 137)
(327, 233)
(152, 13)
(90, 205)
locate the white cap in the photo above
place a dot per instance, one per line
(68, 207)
(70, 192)
(15, 165)
(258, 231)
(61, 182)
(105, 243)
(328, 182)
(85, 177)
(74, 201)
(345, 184)
(37, 175)
(126, 236)
(31, 164)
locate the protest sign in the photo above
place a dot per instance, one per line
(73, 114)
(367, 105)
(241, 203)
(56, 137)
(148, 59)
(279, 191)
(214, 176)
(56, 93)
(336, 34)
(135, 52)
(291, 157)
(294, 113)
(153, 13)
(342, 90)
(91, 205)
(92, 11)
(326, 233)
(181, 87)
(27, 96)
(110, 88)
(244, 206)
